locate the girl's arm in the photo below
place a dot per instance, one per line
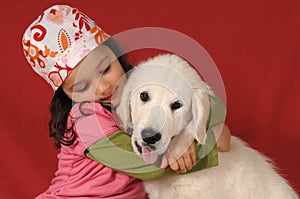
(223, 137)
(115, 151)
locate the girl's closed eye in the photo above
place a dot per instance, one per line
(105, 70)
(85, 87)
(81, 87)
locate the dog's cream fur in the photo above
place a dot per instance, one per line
(242, 172)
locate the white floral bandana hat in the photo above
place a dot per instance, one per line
(58, 40)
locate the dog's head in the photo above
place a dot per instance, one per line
(162, 97)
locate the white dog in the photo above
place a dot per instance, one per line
(165, 101)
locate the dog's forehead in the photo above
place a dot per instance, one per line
(161, 77)
(161, 92)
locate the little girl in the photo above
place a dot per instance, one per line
(63, 46)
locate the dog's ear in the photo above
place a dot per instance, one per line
(123, 111)
(201, 113)
(121, 104)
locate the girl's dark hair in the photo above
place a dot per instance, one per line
(61, 105)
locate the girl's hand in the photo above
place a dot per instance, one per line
(183, 163)
(187, 160)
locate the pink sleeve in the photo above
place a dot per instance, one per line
(90, 128)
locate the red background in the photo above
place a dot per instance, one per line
(255, 44)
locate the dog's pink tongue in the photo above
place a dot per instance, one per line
(149, 156)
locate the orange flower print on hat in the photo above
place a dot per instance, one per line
(58, 40)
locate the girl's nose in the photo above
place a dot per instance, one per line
(102, 86)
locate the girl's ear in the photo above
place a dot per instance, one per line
(200, 112)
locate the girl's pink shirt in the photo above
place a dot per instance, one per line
(79, 176)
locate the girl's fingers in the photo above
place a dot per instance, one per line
(181, 164)
(186, 161)
(164, 162)
(174, 165)
(190, 157)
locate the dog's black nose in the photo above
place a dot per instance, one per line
(150, 136)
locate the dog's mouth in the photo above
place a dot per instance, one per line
(148, 153)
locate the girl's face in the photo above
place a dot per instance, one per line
(95, 77)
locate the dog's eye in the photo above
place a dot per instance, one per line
(144, 96)
(175, 105)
